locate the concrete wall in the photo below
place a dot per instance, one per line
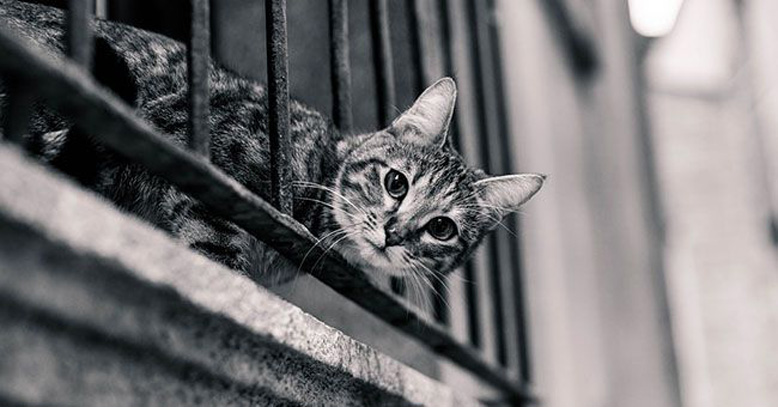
(101, 309)
(599, 323)
(713, 104)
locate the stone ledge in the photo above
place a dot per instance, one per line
(98, 308)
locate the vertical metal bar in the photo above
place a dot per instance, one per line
(101, 9)
(19, 109)
(473, 314)
(428, 32)
(492, 158)
(198, 62)
(454, 38)
(340, 65)
(440, 297)
(448, 59)
(79, 31)
(498, 282)
(382, 61)
(517, 286)
(427, 65)
(398, 285)
(423, 32)
(278, 103)
(421, 77)
(78, 155)
(441, 285)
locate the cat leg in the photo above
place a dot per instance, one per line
(219, 240)
(224, 242)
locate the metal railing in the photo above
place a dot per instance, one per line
(69, 87)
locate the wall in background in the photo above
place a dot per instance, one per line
(712, 88)
(600, 328)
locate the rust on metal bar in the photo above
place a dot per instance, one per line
(113, 123)
(382, 61)
(340, 65)
(79, 31)
(18, 111)
(198, 63)
(278, 92)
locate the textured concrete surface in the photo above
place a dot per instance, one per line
(99, 309)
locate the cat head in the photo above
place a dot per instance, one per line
(405, 202)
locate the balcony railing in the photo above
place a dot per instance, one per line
(495, 312)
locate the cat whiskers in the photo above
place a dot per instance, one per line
(415, 287)
(416, 272)
(496, 220)
(308, 184)
(435, 292)
(440, 277)
(479, 205)
(329, 205)
(340, 239)
(344, 231)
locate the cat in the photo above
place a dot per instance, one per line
(398, 201)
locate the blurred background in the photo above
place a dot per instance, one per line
(651, 257)
(646, 270)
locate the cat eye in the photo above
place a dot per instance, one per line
(442, 228)
(396, 184)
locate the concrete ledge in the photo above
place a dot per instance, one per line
(100, 309)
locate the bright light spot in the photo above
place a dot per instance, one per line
(653, 18)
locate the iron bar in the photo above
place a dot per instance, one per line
(578, 42)
(492, 157)
(452, 37)
(471, 296)
(79, 31)
(398, 285)
(440, 300)
(440, 297)
(101, 9)
(78, 96)
(428, 65)
(278, 104)
(516, 288)
(18, 111)
(421, 77)
(340, 65)
(382, 61)
(448, 61)
(458, 57)
(198, 63)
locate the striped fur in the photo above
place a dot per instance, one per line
(338, 179)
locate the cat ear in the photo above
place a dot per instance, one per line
(427, 121)
(506, 193)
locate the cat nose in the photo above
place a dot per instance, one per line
(393, 237)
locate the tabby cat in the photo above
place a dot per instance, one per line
(397, 201)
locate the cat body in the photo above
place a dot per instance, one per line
(155, 66)
(399, 200)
